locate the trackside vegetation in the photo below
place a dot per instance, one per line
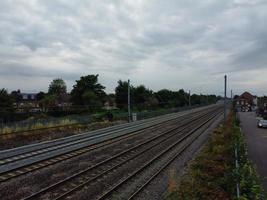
(213, 174)
(88, 96)
(67, 128)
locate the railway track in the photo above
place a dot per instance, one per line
(144, 154)
(34, 147)
(20, 161)
(118, 189)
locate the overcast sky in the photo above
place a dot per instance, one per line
(159, 43)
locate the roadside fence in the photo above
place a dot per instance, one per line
(52, 122)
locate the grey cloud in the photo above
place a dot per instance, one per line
(20, 69)
(125, 38)
(252, 58)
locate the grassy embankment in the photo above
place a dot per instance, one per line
(43, 132)
(213, 173)
(48, 129)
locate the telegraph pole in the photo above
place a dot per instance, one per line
(189, 99)
(225, 88)
(129, 101)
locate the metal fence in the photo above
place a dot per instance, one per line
(50, 122)
(149, 114)
(35, 124)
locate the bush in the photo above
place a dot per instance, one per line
(213, 174)
(246, 175)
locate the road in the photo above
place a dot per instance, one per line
(256, 139)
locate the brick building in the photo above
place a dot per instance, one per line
(245, 102)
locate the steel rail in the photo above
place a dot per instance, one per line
(25, 149)
(5, 154)
(68, 179)
(77, 123)
(66, 194)
(150, 162)
(9, 153)
(34, 196)
(29, 168)
(163, 167)
(56, 147)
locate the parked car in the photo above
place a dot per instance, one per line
(262, 123)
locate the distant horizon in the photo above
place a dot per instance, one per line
(112, 92)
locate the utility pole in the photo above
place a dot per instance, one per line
(232, 95)
(129, 101)
(189, 99)
(225, 87)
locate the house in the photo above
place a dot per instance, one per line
(28, 102)
(110, 103)
(262, 105)
(25, 102)
(245, 102)
(63, 100)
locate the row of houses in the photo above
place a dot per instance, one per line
(23, 100)
(30, 102)
(247, 102)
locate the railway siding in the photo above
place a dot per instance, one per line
(34, 147)
(133, 146)
(182, 134)
(19, 157)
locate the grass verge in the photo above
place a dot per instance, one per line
(213, 173)
(39, 135)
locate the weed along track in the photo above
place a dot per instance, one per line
(152, 163)
(122, 161)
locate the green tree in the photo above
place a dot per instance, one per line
(57, 87)
(181, 98)
(168, 98)
(203, 99)
(111, 98)
(17, 97)
(164, 97)
(152, 102)
(88, 92)
(91, 100)
(48, 103)
(121, 94)
(141, 97)
(6, 104)
(40, 96)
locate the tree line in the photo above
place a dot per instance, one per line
(88, 95)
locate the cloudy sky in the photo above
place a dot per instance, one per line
(162, 44)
